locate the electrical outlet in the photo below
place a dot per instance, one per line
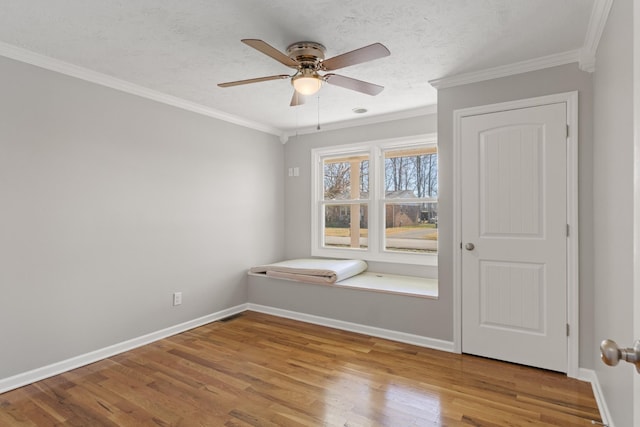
(177, 298)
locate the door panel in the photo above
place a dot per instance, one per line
(510, 181)
(514, 279)
(512, 296)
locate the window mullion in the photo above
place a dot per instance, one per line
(371, 221)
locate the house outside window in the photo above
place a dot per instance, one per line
(377, 201)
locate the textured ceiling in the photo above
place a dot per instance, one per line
(184, 48)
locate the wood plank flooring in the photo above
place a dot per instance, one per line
(259, 370)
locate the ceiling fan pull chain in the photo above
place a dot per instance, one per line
(297, 123)
(318, 128)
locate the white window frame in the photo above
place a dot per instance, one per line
(375, 250)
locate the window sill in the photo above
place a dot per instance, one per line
(430, 260)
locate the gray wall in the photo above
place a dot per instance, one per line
(527, 85)
(425, 317)
(110, 203)
(613, 180)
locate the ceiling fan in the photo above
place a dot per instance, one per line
(307, 58)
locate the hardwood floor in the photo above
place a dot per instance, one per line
(259, 370)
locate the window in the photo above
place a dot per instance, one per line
(377, 201)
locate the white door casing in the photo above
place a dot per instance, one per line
(636, 196)
(522, 289)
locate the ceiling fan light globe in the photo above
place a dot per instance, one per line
(306, 85)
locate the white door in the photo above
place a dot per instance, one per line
(514, 236)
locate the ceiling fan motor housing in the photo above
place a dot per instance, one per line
(308, 54)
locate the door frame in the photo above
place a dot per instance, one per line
(573, 294)
(636, 201)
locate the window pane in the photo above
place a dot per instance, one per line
(339, 175)
(411, 227)
(339, 229)
(411, 172)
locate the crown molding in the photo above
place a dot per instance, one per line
(508, 70)
(406, 114)
(585, 57)
(62, 67)
(597, 22)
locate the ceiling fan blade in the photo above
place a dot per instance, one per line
(353, 84)
(256, 80)
(358, 56)
(271, 51)
(297, 99)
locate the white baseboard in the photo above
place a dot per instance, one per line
(355, 327)
(590, 376)
(38, 374)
